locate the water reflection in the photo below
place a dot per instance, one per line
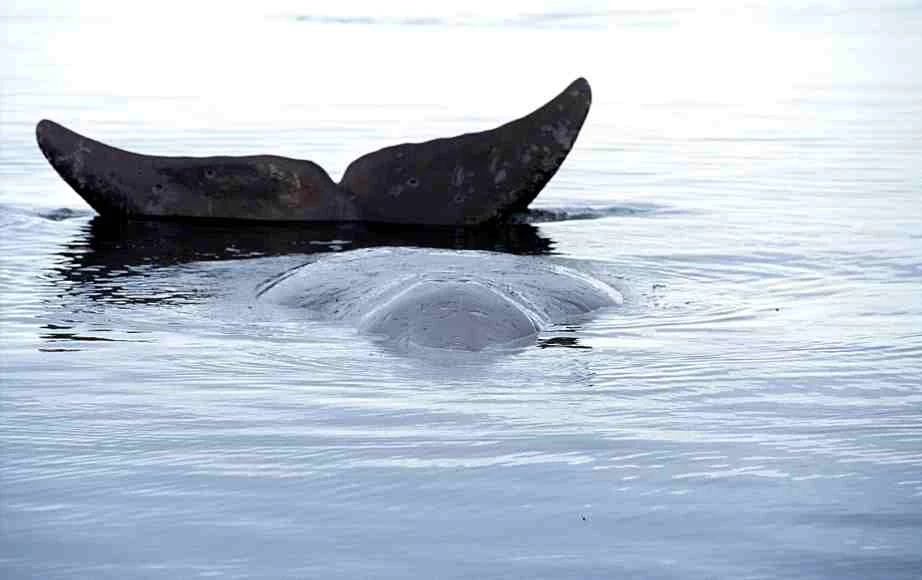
(107, 250)
(561, 342)
(109, 242)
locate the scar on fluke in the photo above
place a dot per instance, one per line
(463, 180)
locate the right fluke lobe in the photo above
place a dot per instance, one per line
(471, 178)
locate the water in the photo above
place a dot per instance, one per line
(752, 410)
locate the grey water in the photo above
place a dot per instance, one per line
(751, 181)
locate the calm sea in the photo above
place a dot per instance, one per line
(752, 410)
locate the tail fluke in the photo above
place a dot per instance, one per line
(464, 180)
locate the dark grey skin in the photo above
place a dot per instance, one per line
(470, 179)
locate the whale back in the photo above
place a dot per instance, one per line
(452, 314)
(440, 299)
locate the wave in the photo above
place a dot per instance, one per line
(579, 20)
(560, 214)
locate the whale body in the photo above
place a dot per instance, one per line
(468, 179)
(441, 299)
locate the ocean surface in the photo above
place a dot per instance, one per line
(749, 179)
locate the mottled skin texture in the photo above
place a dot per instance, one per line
(264, 187)
(465, 180)
(470, 178)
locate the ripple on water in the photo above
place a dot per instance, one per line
(751, 410)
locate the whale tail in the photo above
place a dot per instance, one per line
(463, 180)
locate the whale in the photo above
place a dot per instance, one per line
(469, 179)
(425, 300)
